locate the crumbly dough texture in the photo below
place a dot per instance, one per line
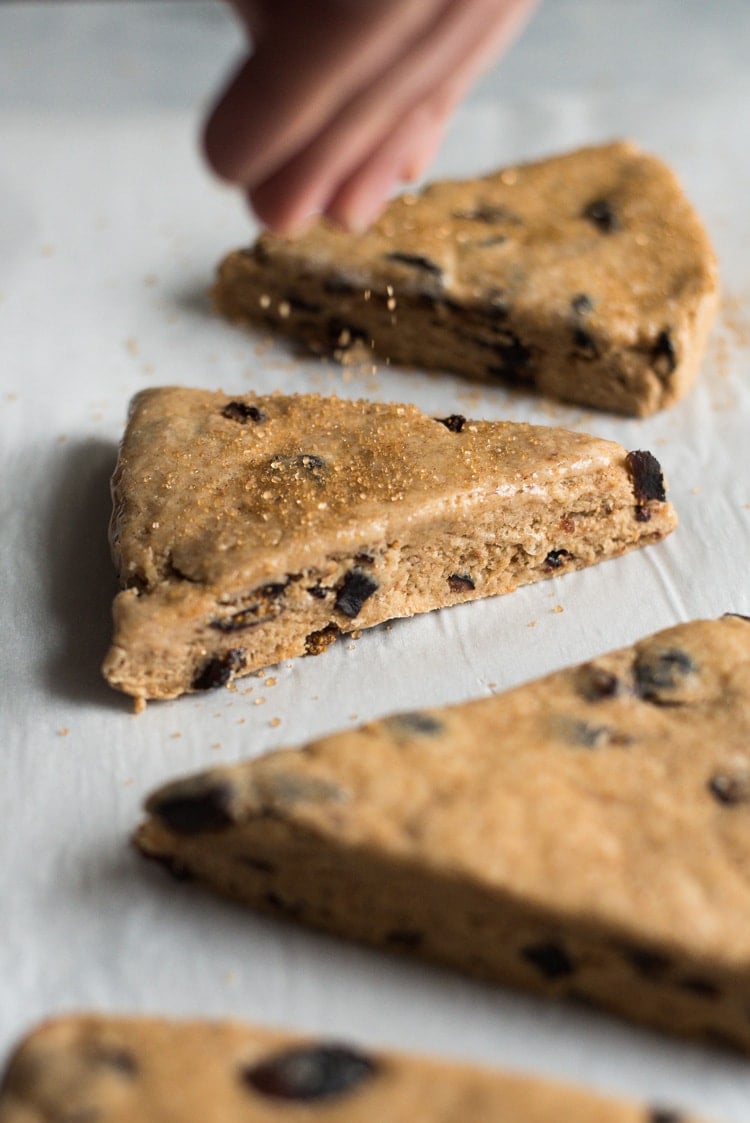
(588, 277)
(249, 530)
(585, 836)
(145, 1070)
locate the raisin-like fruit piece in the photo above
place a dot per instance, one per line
(584, 344)
(602, 214)
(596, 683)
(588, 736)
(320, 592)
(515, 358)
(249, 617)
(454, 422)
(460, 583)
(489, 213)
(664, 1115)
(338, 286)
(550, 959)
(415, 721)
(730, 790)
(355, 589)
(650, 964)
(664, 354)
(704, 988)
(405, 938)
(192, 808)
(310, 1072)
(219, 670)
(119, 1060)
(648, 481)
(242, 412)
(280, 904)
(556, 559)
(660, 674)
(582, 304)
(299, 304)
(418, 261)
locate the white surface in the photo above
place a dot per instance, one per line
(109, 232)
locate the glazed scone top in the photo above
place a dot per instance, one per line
(209, 486)
(618, 791)
(610, 223)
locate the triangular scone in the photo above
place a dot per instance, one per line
(249, 530)
(104, 1069)
(586, 835)
(587, 276)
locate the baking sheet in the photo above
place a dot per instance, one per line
(109, 233)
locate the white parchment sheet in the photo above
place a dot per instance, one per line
(110, 229)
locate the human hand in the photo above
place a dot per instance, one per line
(341, 99)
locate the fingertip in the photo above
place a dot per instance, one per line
(284, 216)
(219, 144)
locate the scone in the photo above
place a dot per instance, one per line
(584, 836)
(97, 1069)
(588, 277)
(248, 530)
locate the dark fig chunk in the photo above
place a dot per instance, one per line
(417, 261)
(119, 1060)
(588, 736)
(280, 904)
(317, 642)
(195, 806)
(602, 214)
(515, 358)
(661, 674)
(664, 354)
(550, 959)
(460, 583)
(584, 344)
(489, 213)
(247, 618)
(696, 984)
(320, 592)
(650, 964)
(556, 559)
(338, 286)
(299, 304)
(664, 1115)
(415, 721)
(454, 422)
(405, 938)
(266, 607)
(258, 864)
(595, 683)
(355, 589)
(242, 413)
(219, 670)
(648, 481)
(310, 1072)
(582, 304)
(730, 790)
